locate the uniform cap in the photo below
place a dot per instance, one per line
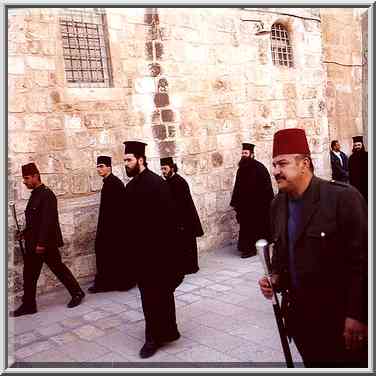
(29, 169)
(290, 141)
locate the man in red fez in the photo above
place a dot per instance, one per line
(358, 167)
(251, 200)
(319, 231)
(114, 264)
(42, 239)
(150, 215)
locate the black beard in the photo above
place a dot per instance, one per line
(244, 161)
(132, 172)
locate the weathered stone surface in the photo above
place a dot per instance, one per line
(219, 88)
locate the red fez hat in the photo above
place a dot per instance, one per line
(168, 161)
(249, 147)
(134, 147)
(29, 169)
(104, 159)
(290, 141)
(357, 139)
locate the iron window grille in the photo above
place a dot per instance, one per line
(281, 47)
(85, 47)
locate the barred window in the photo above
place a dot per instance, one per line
(85, 47)
(281, 47)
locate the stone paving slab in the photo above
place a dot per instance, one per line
(221, 314)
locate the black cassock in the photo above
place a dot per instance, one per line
(188, 222)
(113, 259)
(251, 200)
(150, 223)
(358, 172)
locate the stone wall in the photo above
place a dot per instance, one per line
(192, 83)
(344, 46)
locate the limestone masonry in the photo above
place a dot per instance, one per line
(192, 83)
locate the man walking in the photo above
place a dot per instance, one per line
(339, 163)
(319, 230)
(114, 264)
(151, 224)
(251, 200)
(358, 167)
(42, 238)
(188, 221)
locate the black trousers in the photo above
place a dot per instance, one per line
(33, 263)
(114, 271)
(323, 347)
(158, 304)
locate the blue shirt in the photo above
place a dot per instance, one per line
(294, 218)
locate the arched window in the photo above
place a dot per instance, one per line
(281, 47)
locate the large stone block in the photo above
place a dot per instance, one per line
(50, 163)
(57, 140)
(55, 122)
(59, 183)
(15, 123)
(40, 63)
(39, 101)
(27, 142)
(16, 65)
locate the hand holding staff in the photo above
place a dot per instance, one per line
(13, 208)
(268, 291)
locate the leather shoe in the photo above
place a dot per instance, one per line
(23, 309)
(76, 300)
(149, 349)
(247, 254)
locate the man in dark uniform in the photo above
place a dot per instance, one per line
(149, 217)
(319, 230)
(358, 167)
(42, 238)
(339, 163)
(114, 265)
(251, 199)
(188, 221)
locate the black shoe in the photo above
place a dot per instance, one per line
(24, 309)
(149, 349)
(248, 254)
(76, 300)
(172, 338)
(95, 289)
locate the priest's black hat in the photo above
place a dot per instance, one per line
(134, 147)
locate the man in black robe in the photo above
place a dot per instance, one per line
(43, 238)
(114, 265)
(188, 221)
(150, 228)
(358, 167)
(251, 200)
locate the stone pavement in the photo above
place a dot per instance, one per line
(223, 319)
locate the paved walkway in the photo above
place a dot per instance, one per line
(223, 319)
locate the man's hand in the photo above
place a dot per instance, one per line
(39, 249)
(18, 235)
(265, 288)
(355, 334)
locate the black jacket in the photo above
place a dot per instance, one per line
(110, 227)
(339, 172)
(358, 172)
(330, 254)
(42, 220)
(151, 231)
(187, 221)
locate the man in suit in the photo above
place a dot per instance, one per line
(188, 221)
(42, 240)
(151, 233)
(339, 163)
(113, 261)
(358, 167)
(251, 199)
(319, 230)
